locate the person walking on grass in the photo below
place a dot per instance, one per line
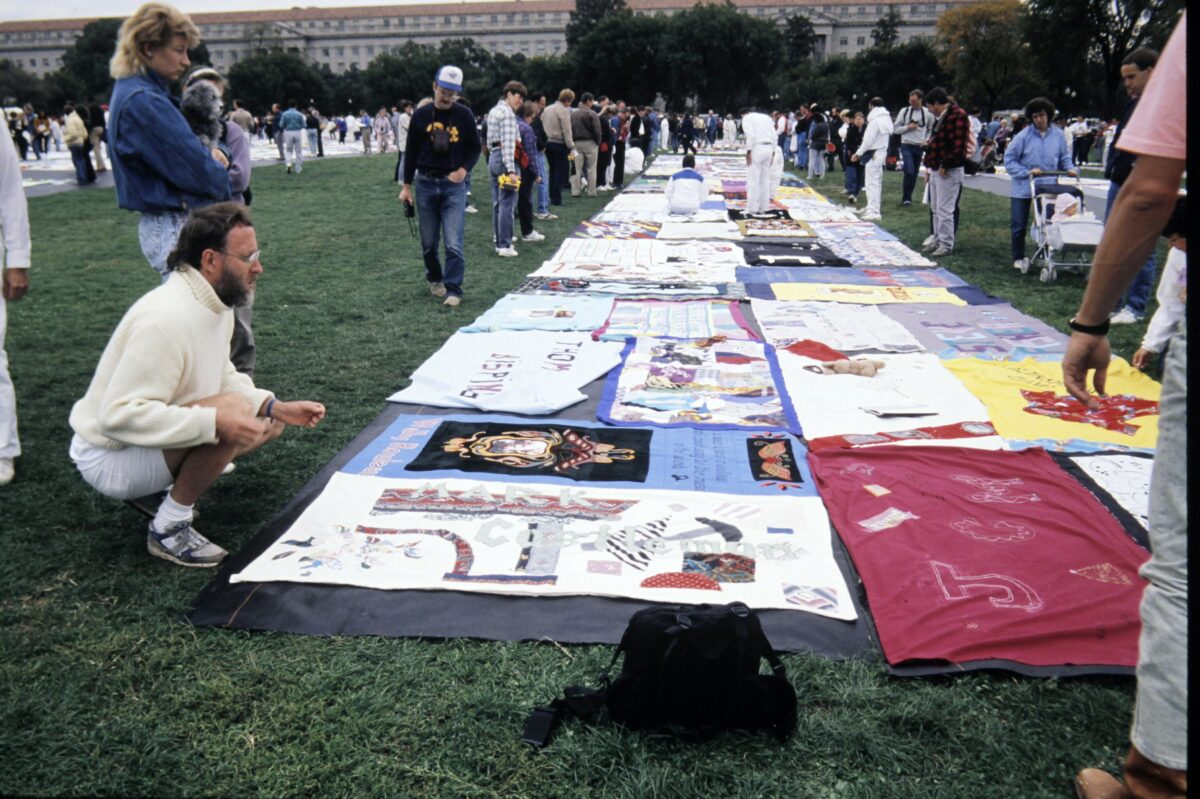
(946, 154)
(293, 125)
(160, 168)
(503, 135)
(1039, 147)
(165, 410)
(870, 154)
(443, 147)
(914, 125)
(1157, 762)
(15, 251)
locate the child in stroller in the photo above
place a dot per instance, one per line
(1065, 232)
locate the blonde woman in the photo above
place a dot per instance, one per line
(161, 169)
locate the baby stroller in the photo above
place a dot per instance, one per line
(1066, 244)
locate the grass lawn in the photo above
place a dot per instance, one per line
(104, 690)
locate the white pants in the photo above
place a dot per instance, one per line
(758, 178)
(874, 184)
(126, 473)
(293, 143)
(10, 447)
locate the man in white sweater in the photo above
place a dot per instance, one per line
(166, 409)
(14, 281)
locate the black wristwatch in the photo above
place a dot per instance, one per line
(1092, 330)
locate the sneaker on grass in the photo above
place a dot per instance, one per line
(507, 252)
(1125, 316)
(7, 472)
(1021, 265)
(437, 289)
(930, 242)
(470, 209)
(940, 251)
(535, 236)
(452, 300)
(546, 216)
(181, 544)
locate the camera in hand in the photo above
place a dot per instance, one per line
(410, 210)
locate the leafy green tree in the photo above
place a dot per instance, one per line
(1093, 36)
(549, 74)
(982, 47)
(588, 14)
(276, 76)
(18, 87)
(640, 70)
(799, 38)
(735, 64)
(87, 59)
(886, 32)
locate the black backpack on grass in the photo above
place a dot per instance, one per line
(691, 668)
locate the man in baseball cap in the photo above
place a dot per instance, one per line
(449, 77)
(442, 149)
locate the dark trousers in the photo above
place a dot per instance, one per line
(603, 159)
(525, 201)
(688, 144)
(912, 166)
(619, 164)
(1018, 224)
(556, 159)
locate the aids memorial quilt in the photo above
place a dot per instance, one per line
(661, 318)
(912, 393)
(643, 271)
(705, 383)
(931, 278)
(871, 252)
(699, 230)
(1027, 400)
(1121, 478)
(988, 332)
(969, 555)
(594, 229)
(534, 312)
(866, 295)
(776, 228)
(843, 327)
(512, 372)
(610, 252)
(565, 452)
(664, 289)
(693, 251)
(536, 540)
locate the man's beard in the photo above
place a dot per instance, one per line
(230, 290)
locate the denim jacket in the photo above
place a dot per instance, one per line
(158, 163)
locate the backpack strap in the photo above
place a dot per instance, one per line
(576, 701)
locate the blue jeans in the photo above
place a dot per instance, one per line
(802, 151)
(854, 175)
(785, 142)
(80, 160)
(543, 188)
(442, 208)
(1138, 293)
(504, 202)
(912, 167)
(1160, 715)
(1018, 224)
(158, 234)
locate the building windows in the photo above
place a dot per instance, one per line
(371, 50)
(325, 52)
(341, 51)
(843, 41)
(862, 40)
(354, 50)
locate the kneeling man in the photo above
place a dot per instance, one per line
(166, 409)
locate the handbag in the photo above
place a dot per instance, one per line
(693, 669)
(830, 148)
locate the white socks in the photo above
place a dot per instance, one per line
(171, 512)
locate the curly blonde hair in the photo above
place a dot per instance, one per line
(153, 25)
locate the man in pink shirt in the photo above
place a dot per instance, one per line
(1157, 133)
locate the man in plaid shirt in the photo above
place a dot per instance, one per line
(945, 155)
(502, 138)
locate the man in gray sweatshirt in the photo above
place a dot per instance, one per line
(914, 124)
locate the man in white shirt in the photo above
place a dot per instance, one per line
(872, 153)
(761, 141)
(14, 264)
(1079, 133)
(166, 410)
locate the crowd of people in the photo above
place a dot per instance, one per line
(172, 402)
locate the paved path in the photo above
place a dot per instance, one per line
(1095, 190)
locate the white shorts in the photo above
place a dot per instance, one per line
(126, 473)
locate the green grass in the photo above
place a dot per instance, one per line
(105, 690)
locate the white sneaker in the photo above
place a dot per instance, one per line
(6, 471)
(1125, 316)
(1021, 265)
(472, 209)
(437, 289)
(940, 251)
(507, 252)
(452, 300)
(546, 216)
(535, 236)
(930, 241)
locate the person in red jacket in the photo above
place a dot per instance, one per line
(945, 155)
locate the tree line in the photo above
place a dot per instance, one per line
(992, 55)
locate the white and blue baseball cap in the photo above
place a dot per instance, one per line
(449, 77)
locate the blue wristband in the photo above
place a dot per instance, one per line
(270, 404)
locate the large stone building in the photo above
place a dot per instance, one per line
(343, 37)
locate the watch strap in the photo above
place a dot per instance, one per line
(1092, 330)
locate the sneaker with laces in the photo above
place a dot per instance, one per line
(437, 289)
(470, 209)
(452, 301)
(1021, 265)
(940, 251)
(535, 236)
(930, 241)
(7, 472)
(546, 216)
(507, 252)
(182, 545)
(1125, 316)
